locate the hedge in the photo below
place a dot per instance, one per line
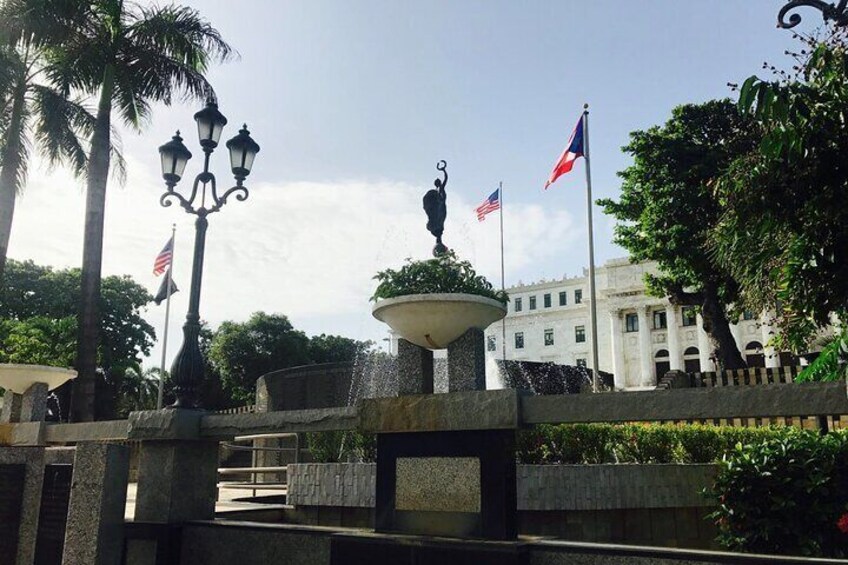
(583, 443)
(785, 495)
(635, 443)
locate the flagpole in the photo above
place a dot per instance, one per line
(503, 278)
(593, 302)
(167, 316)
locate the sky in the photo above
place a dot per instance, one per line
(354, 103)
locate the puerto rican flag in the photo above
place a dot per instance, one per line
(573, 150)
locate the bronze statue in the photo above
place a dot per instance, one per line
(437, 211)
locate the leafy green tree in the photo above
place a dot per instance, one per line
(129, 56)
(667, 210)
(39, 308)
(337, 349)
(243, 352)
(784, 230)
(38, 341)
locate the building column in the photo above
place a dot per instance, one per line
(736, 331)
(772, 356)
(619, 371)
(705, 348)
(647, 360)
(675, 356)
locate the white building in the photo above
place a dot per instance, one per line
(639, 337)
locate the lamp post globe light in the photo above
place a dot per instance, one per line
(187, 370)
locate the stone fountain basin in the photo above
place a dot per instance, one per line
(18, 378)
(433, 321)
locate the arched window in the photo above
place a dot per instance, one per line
(692, 360)
(661, 354)
(754, 355)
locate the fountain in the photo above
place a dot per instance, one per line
(26, 389)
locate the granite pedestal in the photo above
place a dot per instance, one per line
(21, 479)
(177, 480)
(34, 403)
(415, 369)
(467, 362)
(94, 533)
(11, 411)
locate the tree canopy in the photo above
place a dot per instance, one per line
(38, 309)
(784, 228)
(667, 209)
(241, 352)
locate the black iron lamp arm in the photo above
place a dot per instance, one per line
(218, 202)
(837, 12)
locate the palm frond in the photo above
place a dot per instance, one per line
(131, 96)
(178, 33)
(77, 65)
(43, 23)
(62, 128)
(119, 163)
(11, 69)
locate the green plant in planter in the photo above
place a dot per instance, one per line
(443, 274)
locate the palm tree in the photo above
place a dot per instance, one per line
(138, 390)
(129, 56)
(34, 113)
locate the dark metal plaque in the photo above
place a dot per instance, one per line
(53, 515)
(11, 503)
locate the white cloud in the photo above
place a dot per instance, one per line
(304, 249)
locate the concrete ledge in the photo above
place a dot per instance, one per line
(805, 399)
(59, 455)
(473, 410)
(539, 487)
(568, 553)
(88, 431)
(169, 424)
(23, 434)
(226, 426)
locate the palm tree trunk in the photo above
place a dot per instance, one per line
(88, 333)
(717, 326)
(11, 159)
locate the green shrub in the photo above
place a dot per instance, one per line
(703, 444)
(532, 447)
(649, 444)
(363, 446)
(334, 447)
(784, 495)
(445, 273)
(548, 444)
(326, 447)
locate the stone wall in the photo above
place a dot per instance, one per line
(332, 484)
(310, 386)
(540, 487)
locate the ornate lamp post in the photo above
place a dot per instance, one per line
(837, 12)
(187, 369)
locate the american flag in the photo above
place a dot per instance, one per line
(163, 260)
(492, 203)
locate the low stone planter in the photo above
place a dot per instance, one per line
(540, 487)
(433, 321)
